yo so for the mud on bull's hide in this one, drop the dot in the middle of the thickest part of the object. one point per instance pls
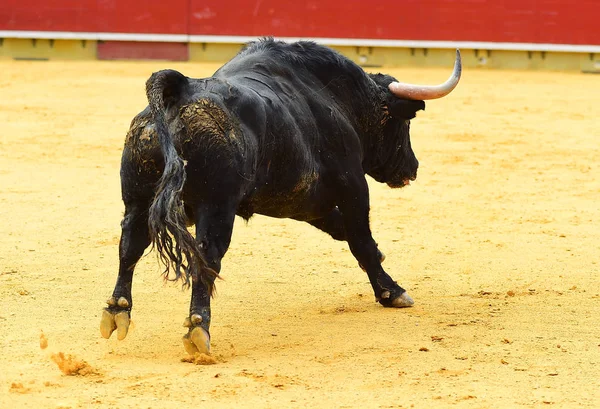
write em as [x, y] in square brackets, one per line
[205, 123]
[142, 143]
[200, 123]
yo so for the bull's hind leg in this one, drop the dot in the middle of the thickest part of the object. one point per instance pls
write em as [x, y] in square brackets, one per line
[214, 225]
[354, 206]
[134, 240]
[333, 224]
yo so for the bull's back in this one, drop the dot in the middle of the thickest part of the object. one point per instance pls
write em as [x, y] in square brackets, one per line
[292, 127]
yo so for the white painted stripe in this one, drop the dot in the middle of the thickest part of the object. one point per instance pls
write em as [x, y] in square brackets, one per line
[73, 35]
[351, 42]
[358, 42]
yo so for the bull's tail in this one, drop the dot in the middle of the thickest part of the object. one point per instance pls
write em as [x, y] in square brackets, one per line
[176, 247]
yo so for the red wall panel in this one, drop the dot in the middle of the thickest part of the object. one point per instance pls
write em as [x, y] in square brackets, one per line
[140, 50]
[529, 21]
[116, 16]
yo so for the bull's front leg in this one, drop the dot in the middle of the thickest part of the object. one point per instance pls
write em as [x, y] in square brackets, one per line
[333, 224]
[134, 240]
[214, 226]
[354, 206]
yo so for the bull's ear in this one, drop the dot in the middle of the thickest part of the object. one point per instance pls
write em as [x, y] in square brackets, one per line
[404, 108]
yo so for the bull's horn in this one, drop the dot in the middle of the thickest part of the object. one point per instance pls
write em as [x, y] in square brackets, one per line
[424, 92]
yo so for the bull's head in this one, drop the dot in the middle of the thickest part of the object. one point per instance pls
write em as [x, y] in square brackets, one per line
[394, 161]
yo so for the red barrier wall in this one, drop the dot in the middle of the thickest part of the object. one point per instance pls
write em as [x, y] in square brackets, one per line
[141, 50]
[527, 21]
[105, 16]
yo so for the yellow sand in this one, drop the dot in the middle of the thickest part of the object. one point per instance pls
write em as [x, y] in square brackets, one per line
[498, 240]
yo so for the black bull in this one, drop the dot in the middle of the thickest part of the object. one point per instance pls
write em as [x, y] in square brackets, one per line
[284, 130]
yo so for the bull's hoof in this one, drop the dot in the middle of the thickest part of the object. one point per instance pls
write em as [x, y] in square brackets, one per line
[402, 301]
[115, 318]
[197, 340]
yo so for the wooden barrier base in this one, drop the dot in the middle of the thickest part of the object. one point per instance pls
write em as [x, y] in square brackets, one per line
[45, 49]
[368, 57]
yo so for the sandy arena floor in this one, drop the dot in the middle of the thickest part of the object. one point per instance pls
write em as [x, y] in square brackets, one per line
[498, 242]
